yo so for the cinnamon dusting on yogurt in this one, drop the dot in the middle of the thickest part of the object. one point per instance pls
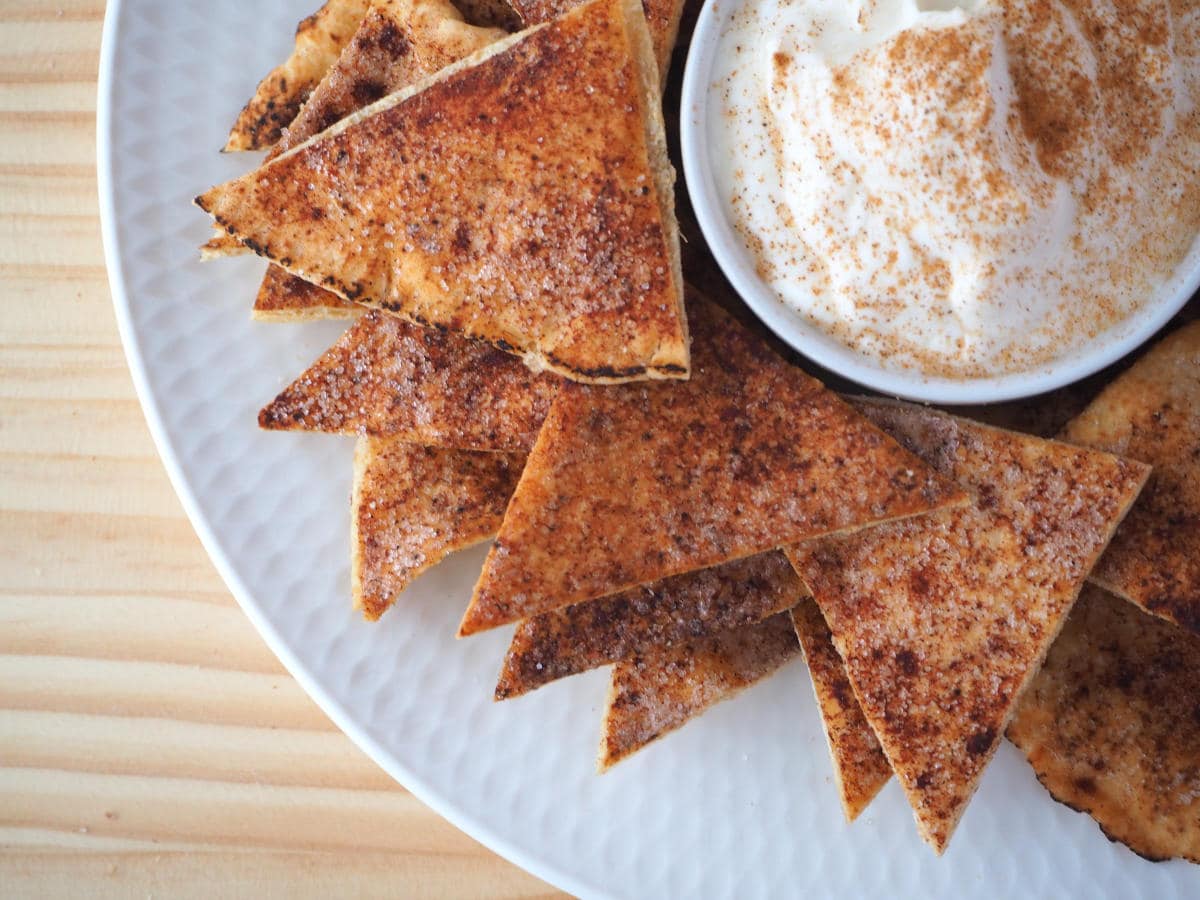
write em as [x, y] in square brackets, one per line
[964, 189]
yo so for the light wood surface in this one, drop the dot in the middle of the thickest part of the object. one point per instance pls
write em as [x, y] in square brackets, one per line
[150, 744]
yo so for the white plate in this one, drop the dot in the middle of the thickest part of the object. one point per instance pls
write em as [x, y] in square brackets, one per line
[739, 803]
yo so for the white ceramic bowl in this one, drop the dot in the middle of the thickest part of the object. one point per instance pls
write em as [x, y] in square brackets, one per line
[713, 214]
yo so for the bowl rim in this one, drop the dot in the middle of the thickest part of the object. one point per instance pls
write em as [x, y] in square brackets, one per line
[732, 257]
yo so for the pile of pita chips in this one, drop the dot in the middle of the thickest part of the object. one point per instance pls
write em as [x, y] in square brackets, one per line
[398, 43]
[319, 40]
[1111, 725]
[1152, 413]
[639, 525]
[643, 527]
[942, 620]
[632, 484]
[533, 212]
[282, 93]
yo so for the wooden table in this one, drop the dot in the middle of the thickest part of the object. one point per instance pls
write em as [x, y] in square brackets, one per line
[150, 744]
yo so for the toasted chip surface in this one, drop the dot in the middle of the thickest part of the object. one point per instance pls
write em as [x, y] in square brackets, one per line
[631, 484]
[581, 637]
[658, 690]
[1111, 725]
[1152, 413]
[220, 245]
[282, 297]
[413, 506]
[319, 39]
[524, 198]
[398, 43]
[662, 18]
[387, 377]
[942, 620]
[859, 767]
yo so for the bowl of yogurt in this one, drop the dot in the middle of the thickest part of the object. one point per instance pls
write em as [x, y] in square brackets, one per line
[954, 202]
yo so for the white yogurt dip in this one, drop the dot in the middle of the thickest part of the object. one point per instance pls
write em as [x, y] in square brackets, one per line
[967, 189]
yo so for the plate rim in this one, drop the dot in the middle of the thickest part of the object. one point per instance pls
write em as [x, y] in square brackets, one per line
[442, 805]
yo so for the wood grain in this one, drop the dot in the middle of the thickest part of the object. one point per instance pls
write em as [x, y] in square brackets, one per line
[150, 744]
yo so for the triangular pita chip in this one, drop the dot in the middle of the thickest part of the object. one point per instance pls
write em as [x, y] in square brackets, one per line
[413, 506]
[282, 297]
[662, 18]
[581, 637]
[389, 378]
[398, 43]
[658, 690]
[942, 620]
[220, 246]
[1152, 413]
[1111, 725]
[522, 196]
[630, 485]
[319, 40]
[859, 767]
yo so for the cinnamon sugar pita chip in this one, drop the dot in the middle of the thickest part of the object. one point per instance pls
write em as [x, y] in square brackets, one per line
[398, 43]
[943, 620]
[1152, 413]
[662, 18]
[660, 689]
[522, 196]
[859, 767]
[413, 506]
[631, 484]
[390, 378]
[569, 641]
[319, 39]
[282, 297]
[1111, 725]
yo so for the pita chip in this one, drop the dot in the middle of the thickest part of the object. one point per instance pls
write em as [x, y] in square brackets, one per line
[658, 690]
[398, 43]
[413, 506]
[662, 18]
[631, 484]
[942, 621]
[1152, 413]
[1111, 725]
[569, 641]
[860, 769]
[282, 297]
[522, 196]
[389, 378]
[220, 246]
[319, 40]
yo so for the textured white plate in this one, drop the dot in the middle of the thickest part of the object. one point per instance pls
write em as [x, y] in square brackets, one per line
[739, 803]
